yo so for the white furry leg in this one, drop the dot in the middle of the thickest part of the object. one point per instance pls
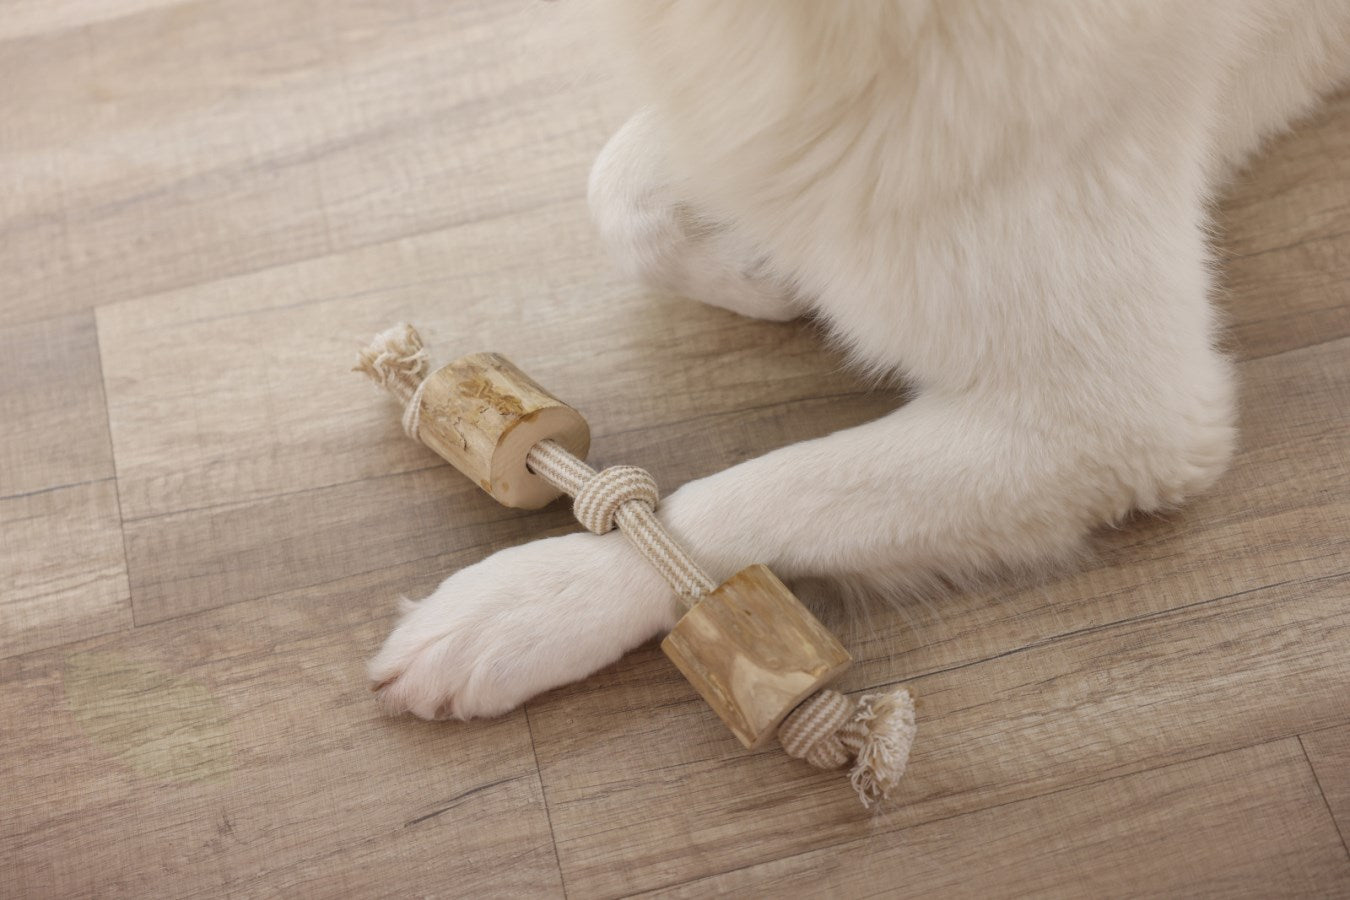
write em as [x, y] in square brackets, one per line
[660, 241]
[949, 485]
[518, 623]
[945, 485]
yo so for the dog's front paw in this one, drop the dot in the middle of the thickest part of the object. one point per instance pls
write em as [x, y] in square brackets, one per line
[520, 622]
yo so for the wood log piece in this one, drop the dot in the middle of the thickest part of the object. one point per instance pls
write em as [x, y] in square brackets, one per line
[483, 415]
[754, 652]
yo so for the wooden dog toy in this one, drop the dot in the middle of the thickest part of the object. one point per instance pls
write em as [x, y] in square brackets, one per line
[748, 646]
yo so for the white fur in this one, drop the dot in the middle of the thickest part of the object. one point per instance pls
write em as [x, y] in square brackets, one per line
[1006, 203]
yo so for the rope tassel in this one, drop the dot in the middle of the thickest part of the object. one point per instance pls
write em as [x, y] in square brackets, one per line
[829, 731]
[517, 441]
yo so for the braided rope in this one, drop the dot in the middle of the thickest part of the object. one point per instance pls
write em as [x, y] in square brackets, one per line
[626, 497]
[828, 730]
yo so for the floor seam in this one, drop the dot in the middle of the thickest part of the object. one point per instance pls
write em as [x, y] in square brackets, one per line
[543, 793]
[442, 464]
[1104, 626]
[1312, 768]
[112, 455]
[982, 809]
[37, 492]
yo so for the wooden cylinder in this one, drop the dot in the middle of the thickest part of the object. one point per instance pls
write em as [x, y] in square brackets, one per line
[483, 415]
[754, 652]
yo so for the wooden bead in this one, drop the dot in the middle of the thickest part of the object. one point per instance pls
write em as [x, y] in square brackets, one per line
[483, 415]
[754, 652]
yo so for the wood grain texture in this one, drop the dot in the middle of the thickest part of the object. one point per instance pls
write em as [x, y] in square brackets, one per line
[482, 414]
[62, 566]
[241, 755]
[259, 133]
[1154, 690]
[202, 402]
[219, 440]
[1329, 753]
[28, 18]
[1266, 539]
[62, 570]
[242, 191]
[754, 652]
[55, 429]
[203, 558]
[1200, 828]
[1285, 252]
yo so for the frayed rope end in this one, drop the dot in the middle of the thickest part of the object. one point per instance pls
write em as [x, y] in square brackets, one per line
[395, 360]
[888, 722]
[829, 731]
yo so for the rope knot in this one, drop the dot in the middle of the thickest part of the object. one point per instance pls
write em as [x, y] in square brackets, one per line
[811, 731]
[602, 496]
[828, 731]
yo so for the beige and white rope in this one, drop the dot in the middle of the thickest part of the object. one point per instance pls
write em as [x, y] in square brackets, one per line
[622, 496]
[626, 497]
[828, 730]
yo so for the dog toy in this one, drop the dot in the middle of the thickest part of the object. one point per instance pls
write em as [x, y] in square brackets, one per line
[748, 646]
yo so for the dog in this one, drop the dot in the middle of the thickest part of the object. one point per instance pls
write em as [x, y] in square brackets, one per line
[1006, 204]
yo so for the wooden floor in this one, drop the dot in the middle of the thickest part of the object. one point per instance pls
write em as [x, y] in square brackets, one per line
[205, 519]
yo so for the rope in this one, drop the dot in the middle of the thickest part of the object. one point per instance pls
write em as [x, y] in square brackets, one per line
[397, 362]
[828, 730]
[626, 497]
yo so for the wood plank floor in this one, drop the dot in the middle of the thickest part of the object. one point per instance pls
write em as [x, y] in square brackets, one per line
[205, 519]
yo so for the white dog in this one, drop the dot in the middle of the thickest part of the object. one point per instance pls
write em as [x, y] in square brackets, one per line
[1004, 202]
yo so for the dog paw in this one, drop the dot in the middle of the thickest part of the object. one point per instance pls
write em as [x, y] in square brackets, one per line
[518, 623]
